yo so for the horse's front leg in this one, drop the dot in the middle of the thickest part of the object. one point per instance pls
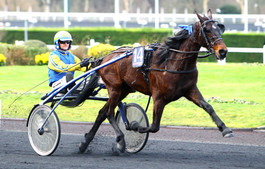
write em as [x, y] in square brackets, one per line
[159, 106]
[197, 98]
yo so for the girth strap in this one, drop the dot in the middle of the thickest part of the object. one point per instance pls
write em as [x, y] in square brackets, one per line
[173, 71]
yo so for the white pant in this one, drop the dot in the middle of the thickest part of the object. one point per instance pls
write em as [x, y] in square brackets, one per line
[59, 82]
[63, 81]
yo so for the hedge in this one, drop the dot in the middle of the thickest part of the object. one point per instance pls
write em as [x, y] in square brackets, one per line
[23, 54]
[118, 37]
[249, 40]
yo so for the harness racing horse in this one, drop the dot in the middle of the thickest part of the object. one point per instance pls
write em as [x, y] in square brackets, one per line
[172, 74]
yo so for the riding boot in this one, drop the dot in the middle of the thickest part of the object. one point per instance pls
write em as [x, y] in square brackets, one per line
[68, 78]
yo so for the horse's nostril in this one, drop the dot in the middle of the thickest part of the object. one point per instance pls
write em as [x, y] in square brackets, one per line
[222, 52]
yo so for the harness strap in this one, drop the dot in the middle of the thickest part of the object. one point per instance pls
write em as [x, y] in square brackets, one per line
[173, 71]
[209, 45]
[188, 52]
[212, 43]
[147, 59]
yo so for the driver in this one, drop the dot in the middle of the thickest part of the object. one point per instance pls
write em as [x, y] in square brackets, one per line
[62, 64]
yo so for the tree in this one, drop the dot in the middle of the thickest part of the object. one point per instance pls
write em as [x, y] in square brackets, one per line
[86, 6]
[229, 9]
[205, 6]
[242, 6]
[127, 5]
[46, 4]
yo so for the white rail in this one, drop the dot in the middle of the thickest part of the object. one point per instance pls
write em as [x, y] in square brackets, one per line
[140, 18]
[248, 50]
[243, 50]
[162, 16]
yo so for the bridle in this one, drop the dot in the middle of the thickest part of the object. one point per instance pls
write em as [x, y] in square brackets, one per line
[209, 42]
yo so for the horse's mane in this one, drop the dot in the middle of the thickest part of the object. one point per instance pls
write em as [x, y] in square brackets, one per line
[171, 42]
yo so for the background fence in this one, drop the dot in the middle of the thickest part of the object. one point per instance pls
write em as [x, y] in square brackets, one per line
[246, 50]
[250, 22]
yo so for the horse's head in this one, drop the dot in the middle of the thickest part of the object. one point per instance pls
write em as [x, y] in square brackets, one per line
[210, 35]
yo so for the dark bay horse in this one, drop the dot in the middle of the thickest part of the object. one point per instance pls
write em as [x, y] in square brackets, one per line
[172, 74]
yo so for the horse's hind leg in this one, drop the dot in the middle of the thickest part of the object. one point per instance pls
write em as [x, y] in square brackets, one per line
[197, 98]
[120, 146]
[107, 112]
[115, 97]
[89, 136]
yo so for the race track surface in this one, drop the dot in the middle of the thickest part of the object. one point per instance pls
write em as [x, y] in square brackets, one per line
[171, 147]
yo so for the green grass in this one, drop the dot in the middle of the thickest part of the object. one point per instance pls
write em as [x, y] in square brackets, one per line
[236, 92]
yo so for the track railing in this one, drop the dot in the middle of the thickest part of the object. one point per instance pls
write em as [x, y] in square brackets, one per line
[246, 50]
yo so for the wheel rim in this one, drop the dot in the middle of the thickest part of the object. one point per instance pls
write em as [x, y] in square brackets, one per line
[46, 143]
[134, 140]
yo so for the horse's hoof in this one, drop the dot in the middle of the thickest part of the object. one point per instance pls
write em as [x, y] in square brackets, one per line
[115, 150]
[121, 148]
[118, 148]
[82, 147]
[142, 129]
[227, 133]
[134, 125]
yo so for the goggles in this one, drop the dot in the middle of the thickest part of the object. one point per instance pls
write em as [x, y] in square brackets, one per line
[63, 42]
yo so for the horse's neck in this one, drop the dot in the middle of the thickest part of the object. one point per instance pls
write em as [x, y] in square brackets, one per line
[185, 61]
[190, 45]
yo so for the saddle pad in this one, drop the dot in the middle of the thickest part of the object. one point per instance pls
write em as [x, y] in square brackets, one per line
[138, 57]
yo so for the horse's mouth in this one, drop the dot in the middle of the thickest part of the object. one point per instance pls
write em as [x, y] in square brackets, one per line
[218, 57]
[221, 54]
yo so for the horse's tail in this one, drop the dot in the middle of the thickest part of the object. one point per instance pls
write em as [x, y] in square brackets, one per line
[88, 89]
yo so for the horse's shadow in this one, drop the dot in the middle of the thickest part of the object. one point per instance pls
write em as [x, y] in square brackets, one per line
[161, 154]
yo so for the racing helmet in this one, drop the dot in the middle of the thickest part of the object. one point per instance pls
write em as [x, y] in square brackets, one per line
[62, 36]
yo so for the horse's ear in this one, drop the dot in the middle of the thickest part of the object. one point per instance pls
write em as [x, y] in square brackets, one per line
[200, 17]
[209, 13]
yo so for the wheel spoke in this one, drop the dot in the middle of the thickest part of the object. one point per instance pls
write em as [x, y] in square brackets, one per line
[44, 144]
[134, 140]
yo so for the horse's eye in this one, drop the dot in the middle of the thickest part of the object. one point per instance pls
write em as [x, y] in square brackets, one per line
[205, 29]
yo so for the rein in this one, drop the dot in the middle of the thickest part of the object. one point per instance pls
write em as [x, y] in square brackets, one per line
[193, 52]
[182, 71]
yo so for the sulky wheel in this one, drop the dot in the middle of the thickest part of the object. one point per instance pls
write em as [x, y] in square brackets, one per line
[46, 141]
[134, 140]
